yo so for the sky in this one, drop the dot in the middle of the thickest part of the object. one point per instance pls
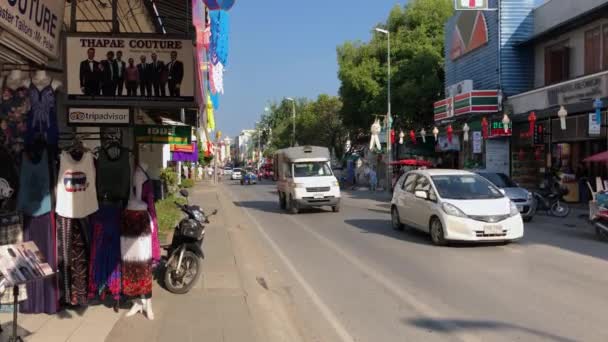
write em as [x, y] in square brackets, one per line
[284, 48]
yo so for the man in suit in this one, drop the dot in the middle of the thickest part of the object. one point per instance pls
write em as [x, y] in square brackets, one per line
[156, 70]
[90, 74]
[109, 69]
[121, 66]
[143, 68]
[175, 75]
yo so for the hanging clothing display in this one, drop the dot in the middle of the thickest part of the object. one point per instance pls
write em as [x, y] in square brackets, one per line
[42, 120]
[73, 260]
[11, 231]
[14, 112]
[147, 195]
[34, 187]
[9, 180]
[136, 251]
[104, 267]
[216, 72]
[76, 191]
[113, 176]
[42, 293]
[220, 24]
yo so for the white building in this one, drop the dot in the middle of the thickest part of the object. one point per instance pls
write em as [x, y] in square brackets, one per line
[244, 145]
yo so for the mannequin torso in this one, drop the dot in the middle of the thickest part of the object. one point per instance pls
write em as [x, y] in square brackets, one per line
[139, 177]
[41, 80]
[14, 80]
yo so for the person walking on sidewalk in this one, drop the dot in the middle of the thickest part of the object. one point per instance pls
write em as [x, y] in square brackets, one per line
[373, 179]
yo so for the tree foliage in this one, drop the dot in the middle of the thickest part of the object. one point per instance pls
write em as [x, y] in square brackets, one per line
[417, 74]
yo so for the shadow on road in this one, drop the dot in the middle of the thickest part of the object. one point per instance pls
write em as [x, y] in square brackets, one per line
[273, 207]
[447, 326]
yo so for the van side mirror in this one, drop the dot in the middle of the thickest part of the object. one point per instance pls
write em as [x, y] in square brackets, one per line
[421, 194]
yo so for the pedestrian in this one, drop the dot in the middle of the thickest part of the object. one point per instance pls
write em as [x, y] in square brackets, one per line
[373, 179]
[200, 172]
[209, 172]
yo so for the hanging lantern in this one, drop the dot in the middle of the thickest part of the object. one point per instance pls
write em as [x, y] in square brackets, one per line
[465, 132]
[532, 121]
[562, 117]
[598, 104]
[392, 136]
[219, 4]
[505, 122]
[435, 132]
[522, 154]
[423, 135]
[538, 154]
[413, 136]
[450, 131]
[401, 135]
[484, 128]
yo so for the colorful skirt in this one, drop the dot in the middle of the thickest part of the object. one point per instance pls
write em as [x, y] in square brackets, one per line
[73, 263]
[104, 268]
[136, 251]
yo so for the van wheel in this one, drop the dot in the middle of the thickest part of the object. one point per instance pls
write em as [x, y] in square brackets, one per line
[336, 208]
[282, 202]
[293, 207]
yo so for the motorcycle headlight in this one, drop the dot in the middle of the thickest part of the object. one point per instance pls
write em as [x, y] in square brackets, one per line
[514, 209]
[199, 216]
[452, 210]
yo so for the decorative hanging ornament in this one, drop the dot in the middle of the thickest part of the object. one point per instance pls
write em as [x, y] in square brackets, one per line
[219, 4]
[450, 131]
[413, 136]
[401, 135]
[435, 132]
[423, 135]
[484, 128]
[598, 104]
[505, 122]
[538, 154]
[532, 121]
[465, 132]
[522, 154]
[562, 117]
[392, 136]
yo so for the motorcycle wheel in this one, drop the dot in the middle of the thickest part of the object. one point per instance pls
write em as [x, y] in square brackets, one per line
[559, 209]
[602, 235]
[181, 281]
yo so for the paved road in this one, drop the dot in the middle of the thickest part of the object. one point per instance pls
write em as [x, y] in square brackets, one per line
[353, 278]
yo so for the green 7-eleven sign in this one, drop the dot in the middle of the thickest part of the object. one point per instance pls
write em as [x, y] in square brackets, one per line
[463, 5]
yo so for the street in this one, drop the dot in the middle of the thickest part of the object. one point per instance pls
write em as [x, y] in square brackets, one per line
[352, 278]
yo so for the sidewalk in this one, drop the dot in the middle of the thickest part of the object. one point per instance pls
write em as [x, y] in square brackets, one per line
[216, 309]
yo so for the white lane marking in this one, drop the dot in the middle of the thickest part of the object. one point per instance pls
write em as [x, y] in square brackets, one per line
[325, 310]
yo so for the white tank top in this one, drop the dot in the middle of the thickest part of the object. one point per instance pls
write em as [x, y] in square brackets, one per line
[76, 189]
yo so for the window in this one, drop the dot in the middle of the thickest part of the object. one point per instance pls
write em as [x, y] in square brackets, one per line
[605, 46]
[408, 185]
[311, 169]
[593, 51]
[465, 187]
[557, 63]
[423, 184]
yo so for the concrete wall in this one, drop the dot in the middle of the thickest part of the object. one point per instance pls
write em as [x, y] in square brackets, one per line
[555, 12]
[575, 41]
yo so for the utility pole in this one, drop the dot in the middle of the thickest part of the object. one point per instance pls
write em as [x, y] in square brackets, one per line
[388, 115]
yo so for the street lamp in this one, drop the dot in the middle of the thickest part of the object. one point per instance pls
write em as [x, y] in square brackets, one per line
[293, 117]
[388, 115]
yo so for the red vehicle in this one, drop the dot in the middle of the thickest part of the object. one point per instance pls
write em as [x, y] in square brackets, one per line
[267, 171]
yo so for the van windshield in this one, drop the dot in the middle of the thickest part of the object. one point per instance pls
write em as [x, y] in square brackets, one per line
[311, 169]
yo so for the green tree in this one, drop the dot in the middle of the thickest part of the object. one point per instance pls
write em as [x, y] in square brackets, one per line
[417, 74]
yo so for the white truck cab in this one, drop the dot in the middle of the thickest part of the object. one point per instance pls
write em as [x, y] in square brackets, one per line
[305, 179]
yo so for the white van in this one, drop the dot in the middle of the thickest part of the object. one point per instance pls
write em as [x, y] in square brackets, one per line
[305, 179]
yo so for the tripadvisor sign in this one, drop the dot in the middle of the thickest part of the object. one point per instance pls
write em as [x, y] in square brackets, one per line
[154, 134]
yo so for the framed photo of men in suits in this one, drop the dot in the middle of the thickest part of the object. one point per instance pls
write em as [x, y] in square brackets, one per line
[129, 70]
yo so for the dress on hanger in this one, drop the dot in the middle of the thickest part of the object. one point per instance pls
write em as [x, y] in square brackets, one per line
[104, 266]
[34, 187]
[147, 195]
[113, 176]
[76, 191]
[43, 114]
[135, 245]
[14, 109]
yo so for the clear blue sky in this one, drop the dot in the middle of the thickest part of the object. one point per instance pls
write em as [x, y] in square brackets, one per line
[284, 48]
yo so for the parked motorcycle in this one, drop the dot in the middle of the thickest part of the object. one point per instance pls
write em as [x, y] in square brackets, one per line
[552, 202]
[598, 217]
[185, 251]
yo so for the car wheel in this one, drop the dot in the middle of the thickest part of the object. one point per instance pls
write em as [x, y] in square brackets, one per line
[395, 220]
[293, 207]
[437, 233]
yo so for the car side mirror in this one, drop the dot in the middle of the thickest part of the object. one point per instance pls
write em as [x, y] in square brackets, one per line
[502, 191]
[421, 194]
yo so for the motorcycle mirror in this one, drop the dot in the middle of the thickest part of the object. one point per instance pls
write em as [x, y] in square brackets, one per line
[184, 192]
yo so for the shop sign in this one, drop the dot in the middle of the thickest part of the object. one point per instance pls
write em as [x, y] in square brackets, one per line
[37, 22]
[497, 129]
[444, 145]
[99, 116]
[477, 139]
[93, 74]
[477, 101]
[572, 92]
[463, 5]
[155, 134]
[595, 128]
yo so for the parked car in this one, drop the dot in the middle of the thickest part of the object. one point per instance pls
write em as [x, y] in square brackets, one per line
[228, 171]
[523, 199]
[454, 205]
[236, 174]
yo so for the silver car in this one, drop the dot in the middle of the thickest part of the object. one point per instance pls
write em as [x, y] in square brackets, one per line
[523, 199]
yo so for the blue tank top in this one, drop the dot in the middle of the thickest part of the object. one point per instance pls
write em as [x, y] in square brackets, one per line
[34, 187]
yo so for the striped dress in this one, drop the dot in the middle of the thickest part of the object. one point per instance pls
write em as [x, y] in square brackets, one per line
[136, 252]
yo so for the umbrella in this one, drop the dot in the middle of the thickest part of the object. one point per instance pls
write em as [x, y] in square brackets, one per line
[412, 162]
[600, 157]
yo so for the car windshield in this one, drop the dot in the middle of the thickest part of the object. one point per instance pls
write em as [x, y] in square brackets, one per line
[465, 187]
[499, 179]
[237, 170]
[311, 169]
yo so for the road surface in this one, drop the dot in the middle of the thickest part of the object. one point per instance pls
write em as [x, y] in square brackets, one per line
[352, 278]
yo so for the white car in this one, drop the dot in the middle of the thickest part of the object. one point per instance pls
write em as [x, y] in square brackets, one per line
[228, 171]
[236, 174]
[454, 205]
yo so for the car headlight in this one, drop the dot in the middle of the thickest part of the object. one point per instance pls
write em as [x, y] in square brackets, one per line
[514, 209]
[452, 210]
[335, 183]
